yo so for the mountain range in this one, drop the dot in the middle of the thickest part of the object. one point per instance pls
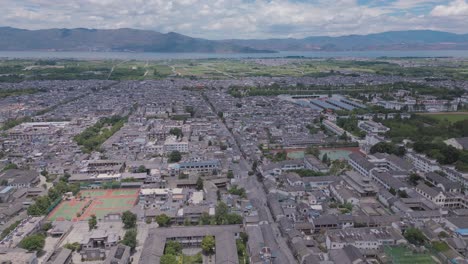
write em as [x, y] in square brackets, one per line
[125, 39]
[133, 40]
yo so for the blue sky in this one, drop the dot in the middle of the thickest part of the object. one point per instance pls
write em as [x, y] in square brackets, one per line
[224, 19]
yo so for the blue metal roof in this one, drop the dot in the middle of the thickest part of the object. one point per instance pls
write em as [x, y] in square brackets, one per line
[356, 104]
[324, 105]
[6, 189]
[306, 104]
[462, 231]
[340, 104]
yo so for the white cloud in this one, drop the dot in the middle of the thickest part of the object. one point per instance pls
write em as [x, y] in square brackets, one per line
[218, 19]
[455, 8]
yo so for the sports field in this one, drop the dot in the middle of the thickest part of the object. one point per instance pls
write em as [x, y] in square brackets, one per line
[97, 202]
[338, 153]
[402, 255]
[449, 116]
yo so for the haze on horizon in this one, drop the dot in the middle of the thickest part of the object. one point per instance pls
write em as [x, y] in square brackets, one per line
[240, 19]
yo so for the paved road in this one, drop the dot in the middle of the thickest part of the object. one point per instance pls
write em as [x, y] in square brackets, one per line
[257, 196]
[270, 231]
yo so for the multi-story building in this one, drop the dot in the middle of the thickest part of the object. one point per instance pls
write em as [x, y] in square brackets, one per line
[172, 144]
[363, 238]
[333, 127]
[422, 163]
[207, 166]
[360, 164]
[372, 127]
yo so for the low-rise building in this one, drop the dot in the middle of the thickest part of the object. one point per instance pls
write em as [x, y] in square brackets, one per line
[372, 127]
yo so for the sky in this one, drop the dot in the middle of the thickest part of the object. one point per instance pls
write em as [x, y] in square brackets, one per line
[240, 19]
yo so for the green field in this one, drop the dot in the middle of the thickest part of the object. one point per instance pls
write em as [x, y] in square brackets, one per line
[451, 117]
[101, 203]
[335, 154]
[67, 210]
[67, 69]
[92, 193]
[401, 255]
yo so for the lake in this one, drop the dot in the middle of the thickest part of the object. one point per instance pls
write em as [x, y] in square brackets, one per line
[175, 56]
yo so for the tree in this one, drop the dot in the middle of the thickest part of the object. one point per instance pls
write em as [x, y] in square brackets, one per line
[237, 191]
[176, 132]
[392, 191]
[46, 226]
[325, 158]
[92, 222]
[10, 166]
[443, 234]
[163, 220]
[175, 156]
[389, 148]
[230, 175]
[221, 212]
[414, 179]
[414, 236]
[244, 236]
[4, 182]
[344, 136]
[141, 169]
[168, 259]
[130, 238]
[402, 194]
[173, 248]
[129, 219]
[312, 151]
[208, 245]
[254, 165]
[233, 219]
[199, 184]
[205, 219]
[33, 243]
[73, 246]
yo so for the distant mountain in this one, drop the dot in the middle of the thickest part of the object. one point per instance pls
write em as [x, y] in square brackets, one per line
[133, 40]
[80, 39]
[393, 40]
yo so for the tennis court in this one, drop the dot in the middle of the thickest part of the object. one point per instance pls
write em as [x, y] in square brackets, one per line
[92, 193]
[402, 255]
[95, 202]
[67, 210]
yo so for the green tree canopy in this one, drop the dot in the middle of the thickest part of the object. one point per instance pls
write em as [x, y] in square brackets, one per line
[175, 156]
[141, 169]
[208, 245]
[129, 219]
[169, 259]
[414, 236]
[173, 248]
[92, 222]
[199, 184]
[33, 243]
[221, 212]
[163, 220]
[176, 132]
[130, 238]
